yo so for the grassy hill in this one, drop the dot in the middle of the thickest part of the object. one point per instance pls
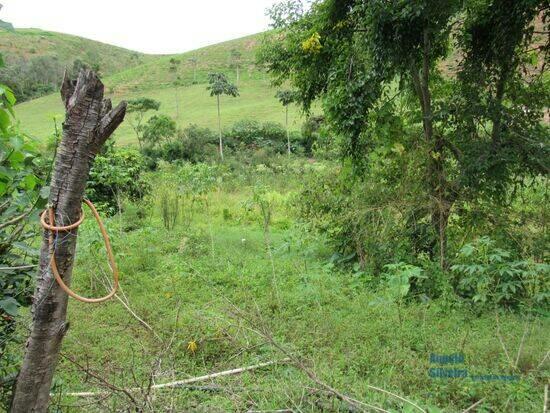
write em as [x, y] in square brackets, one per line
[175, 78]
[29, 43]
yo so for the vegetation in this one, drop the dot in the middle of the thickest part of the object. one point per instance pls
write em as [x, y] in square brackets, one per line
[21, 192]
[219, 85]
[377, 68]
[140, 107]
[155, 79]
[388, 254]
[35, 59]
[286, 97]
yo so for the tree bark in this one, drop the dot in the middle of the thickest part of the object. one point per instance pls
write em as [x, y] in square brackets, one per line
[438, 185]
[89, 121]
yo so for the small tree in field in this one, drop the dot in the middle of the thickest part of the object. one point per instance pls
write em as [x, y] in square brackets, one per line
[220, 85]
[174, 63]
[158, 129]
[194, 61]
[286, 97]
[236, 62]
[140, 106]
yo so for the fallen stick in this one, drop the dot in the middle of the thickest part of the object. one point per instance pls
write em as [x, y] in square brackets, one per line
[473, 406]
[187, 381]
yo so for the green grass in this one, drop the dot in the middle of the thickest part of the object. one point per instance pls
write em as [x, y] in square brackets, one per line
[196, 282]
[155, 79]
[28, 43]
[256, 101]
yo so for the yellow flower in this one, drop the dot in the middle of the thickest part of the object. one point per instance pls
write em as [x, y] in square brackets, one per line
[313, 44]
[192, 346]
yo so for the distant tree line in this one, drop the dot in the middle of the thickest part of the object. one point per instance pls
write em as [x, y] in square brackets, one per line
[37, 76]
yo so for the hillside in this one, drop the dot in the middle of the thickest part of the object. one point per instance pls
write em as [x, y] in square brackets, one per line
[176, 78]
[29, 43]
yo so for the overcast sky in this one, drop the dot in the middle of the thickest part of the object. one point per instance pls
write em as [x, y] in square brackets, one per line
[160, 26]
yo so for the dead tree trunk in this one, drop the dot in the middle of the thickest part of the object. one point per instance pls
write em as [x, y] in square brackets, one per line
[89, 121]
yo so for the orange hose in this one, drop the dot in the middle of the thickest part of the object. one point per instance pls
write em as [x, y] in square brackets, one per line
[52, 228]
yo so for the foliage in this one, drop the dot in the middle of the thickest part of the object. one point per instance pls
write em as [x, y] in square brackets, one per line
[286, 97]
[115, 174]
[169, 207]
[489, 276]
[196, 144]
[311, 132]
[398, 279]
[220, 85]
[21, 193]
[368, 61]
[140, 107]
[252, 134]
[193, 144]
[33, 77]
[158, 129]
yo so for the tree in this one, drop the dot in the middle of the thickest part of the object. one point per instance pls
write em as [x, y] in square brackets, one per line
[480, 124]
[194, 61]
[89, 122]
[219, 85]
[158, 129]
[236, 62]
[286, 97]
[174, 63]
[140, 106]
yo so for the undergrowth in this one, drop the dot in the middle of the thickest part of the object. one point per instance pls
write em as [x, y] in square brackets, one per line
[203, 287]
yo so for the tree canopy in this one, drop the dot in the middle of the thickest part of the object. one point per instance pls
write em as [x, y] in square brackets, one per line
[460, 83]
[220, 85]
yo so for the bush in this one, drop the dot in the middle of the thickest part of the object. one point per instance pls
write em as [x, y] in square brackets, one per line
[116, 173]
[158, 130]
[356, 216]
[249, 134]
[311, 130]
[193, 144]
[254, 140]
[489, 276]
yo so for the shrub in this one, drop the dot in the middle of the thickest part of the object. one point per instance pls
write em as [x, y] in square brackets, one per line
[310, 132]
[193, 144]
[116, 173]
[360, 224]
[21, 194]
[158, 130]
[490, 276]
[253, 135]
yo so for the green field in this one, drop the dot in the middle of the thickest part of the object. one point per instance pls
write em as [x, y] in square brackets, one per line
[211, 280]
[154, 79]
[256, 102]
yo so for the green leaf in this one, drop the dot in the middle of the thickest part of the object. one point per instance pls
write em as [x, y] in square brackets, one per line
[4, 120]
[28, 250]
[29, 182]
[45, 192]
[10, 306]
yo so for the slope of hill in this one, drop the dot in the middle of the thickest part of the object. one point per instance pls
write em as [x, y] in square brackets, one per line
[180, 85]
[29, 43]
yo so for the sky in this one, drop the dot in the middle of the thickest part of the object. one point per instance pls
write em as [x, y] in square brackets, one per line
[160, 26]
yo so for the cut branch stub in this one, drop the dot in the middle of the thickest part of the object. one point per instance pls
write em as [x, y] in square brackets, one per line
[89, 121]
